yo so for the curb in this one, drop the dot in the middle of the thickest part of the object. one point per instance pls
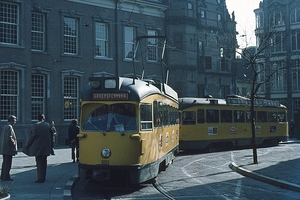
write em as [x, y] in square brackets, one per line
[69, 186]
[272, 181]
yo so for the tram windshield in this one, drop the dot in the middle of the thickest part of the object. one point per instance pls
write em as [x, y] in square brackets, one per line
[116, 117]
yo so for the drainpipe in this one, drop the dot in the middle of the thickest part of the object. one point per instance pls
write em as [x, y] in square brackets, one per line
[116, 38]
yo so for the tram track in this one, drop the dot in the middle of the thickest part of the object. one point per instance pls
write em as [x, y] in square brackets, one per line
[161, 190]
[94, 190]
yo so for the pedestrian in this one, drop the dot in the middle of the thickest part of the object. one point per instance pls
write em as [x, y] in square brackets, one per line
[53, 133]
[73, 130]
[8, 148]
[292, 129]
[39, 145]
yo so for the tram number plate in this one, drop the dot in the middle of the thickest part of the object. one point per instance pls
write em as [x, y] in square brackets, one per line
[106, 162]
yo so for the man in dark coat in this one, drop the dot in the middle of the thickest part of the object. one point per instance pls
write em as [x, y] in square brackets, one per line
[73, 130]
[39, 145]
[8, 147]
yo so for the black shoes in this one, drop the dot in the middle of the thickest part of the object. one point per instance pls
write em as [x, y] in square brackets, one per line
[40, 181]
[7, 179]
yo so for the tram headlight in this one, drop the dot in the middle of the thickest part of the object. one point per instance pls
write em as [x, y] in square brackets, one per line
[94, 82]
[106, 153]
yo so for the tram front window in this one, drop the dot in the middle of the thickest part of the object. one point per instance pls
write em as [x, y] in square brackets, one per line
[116, 117]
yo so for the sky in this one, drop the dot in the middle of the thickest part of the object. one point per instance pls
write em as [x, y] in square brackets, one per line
[245, 18]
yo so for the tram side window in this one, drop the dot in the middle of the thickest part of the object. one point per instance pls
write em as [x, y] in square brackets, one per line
[248, 116]
[262, 116]
[226, 116]
[200, 116]
[239, 116]
[146, 116]
[188, 117]
[156, 114]
[212, 116]
[272, 116]
[166, 115]
[173, 115]
[281, 117]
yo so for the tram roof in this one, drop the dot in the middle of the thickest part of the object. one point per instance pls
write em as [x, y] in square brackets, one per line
[186, 102]
[233, 100]
[135, 88]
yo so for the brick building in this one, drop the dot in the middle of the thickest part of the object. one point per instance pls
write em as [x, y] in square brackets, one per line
[203, 39]
[282, 19]
[50, 48]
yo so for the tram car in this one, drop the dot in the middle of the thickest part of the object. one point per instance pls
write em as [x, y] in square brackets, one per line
[210, 124]
[129, 129]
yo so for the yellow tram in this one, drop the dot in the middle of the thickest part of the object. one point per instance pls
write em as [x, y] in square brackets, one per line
[129, 129]
[208, 123]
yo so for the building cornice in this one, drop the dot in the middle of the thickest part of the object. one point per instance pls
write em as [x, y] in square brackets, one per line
[134, 6]
[278, 1]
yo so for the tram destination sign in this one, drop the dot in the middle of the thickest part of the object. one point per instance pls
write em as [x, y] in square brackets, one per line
[109, 96]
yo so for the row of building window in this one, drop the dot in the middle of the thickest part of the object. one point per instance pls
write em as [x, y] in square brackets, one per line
[278, 41]
[10, 31]
[277, 18]
[11, 100]
[278, 81]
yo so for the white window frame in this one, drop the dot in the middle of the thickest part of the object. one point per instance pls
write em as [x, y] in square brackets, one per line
[38, 32]
[101, 39]
[10, 22]
[70, 31]
[295, 15]
[38, 95]
[276, 18]
[219, 17]
[279, 78]
[295, 68]
[202, 14]
[129, 36]
[71, 97]
[296, 78]
[261, 77]
[152, 46]
[10, 86]
[259, 19]
[295, 40]
[277, 42]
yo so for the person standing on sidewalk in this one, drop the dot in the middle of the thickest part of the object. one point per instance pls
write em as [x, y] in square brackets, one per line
[53, 134]
[73, 130]
[39, 145]
[8, 147]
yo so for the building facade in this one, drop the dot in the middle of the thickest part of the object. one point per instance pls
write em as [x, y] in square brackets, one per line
[50, 48]
[203, 40]
[278, 22]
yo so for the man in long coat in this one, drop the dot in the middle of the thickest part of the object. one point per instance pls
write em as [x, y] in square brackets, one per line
[73, 131]
[39, 145]
[8, 147]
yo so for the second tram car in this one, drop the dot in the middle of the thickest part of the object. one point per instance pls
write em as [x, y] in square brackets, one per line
[129, 129]
[208, 123]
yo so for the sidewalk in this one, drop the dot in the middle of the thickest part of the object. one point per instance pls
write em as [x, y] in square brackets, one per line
[277, 168]
[60, 172]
